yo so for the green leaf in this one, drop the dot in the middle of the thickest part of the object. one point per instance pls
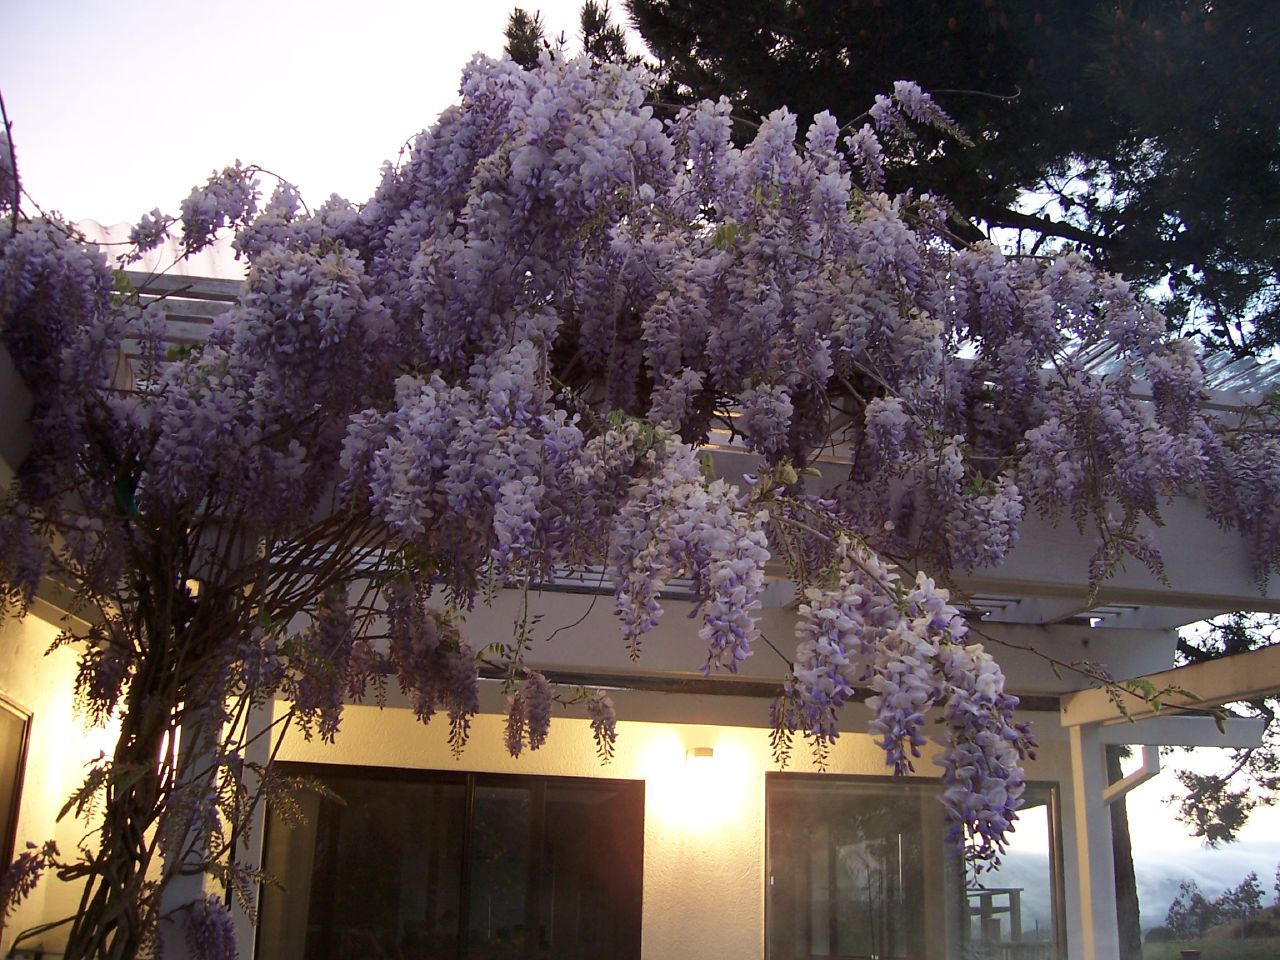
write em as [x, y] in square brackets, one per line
[726, 235]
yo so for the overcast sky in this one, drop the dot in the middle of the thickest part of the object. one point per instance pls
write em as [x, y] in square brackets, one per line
[121, 107]
[118, 108]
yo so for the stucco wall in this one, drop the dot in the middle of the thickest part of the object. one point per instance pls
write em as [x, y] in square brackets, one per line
[60, 745]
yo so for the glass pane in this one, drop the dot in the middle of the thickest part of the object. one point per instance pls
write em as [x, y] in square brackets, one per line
[1013, 914]
[382, 870]
[464, 867]
[588, 886]
[858, 869]
[289, 857]
[13, 741]
[499, 873]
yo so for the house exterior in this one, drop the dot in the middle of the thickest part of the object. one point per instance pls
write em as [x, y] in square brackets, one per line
[693, 841]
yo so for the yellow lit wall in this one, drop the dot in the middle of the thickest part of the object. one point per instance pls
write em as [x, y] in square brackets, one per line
[59, 747]
[704, 868]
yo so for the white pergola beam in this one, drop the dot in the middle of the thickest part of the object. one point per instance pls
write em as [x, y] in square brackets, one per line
[1205, 566]
[1037, 610]
[1243, 676]
[1150, 768]
[1160, 618]
[1225, 595]
[1186, 730]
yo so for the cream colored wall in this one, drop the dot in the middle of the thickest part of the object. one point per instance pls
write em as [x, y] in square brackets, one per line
[704, 836]
[59, 747]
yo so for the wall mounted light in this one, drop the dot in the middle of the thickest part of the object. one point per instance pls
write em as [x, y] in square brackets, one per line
[699, 757]
[701, 789]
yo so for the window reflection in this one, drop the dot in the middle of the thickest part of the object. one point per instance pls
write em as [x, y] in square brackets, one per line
[858, 868]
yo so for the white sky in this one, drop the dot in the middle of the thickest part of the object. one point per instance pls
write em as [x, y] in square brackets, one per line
[1150, 816]
[121, 107]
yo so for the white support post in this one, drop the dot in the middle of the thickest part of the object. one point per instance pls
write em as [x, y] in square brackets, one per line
[1099, 930]
[195, 748]
[199, 744]
[258, 751]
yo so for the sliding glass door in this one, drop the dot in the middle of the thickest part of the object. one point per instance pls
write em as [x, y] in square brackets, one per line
[858, 869]
[433, 865]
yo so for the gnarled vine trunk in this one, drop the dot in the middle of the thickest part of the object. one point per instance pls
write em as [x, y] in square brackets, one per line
[116, 915]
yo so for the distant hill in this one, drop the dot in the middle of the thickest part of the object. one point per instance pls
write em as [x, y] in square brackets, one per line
[1213, 870]
[1265, 923]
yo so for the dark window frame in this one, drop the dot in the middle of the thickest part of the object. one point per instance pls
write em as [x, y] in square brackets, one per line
[471, 781]
[1052, 788]
[9, 834]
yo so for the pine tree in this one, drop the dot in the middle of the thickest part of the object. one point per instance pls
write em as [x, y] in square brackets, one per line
[1190, 914]
[1218, 804]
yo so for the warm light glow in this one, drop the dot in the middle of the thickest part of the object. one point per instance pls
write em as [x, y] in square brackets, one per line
[703, 789]
[706, 792]
[61, 724]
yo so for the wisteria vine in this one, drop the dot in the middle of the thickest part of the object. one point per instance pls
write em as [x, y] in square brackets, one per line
[505, 363]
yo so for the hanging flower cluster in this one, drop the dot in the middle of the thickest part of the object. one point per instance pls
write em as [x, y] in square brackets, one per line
[211, 930]
[21, 876]
[436, 668]
[678, 524]
[529, 714]
[906, 645]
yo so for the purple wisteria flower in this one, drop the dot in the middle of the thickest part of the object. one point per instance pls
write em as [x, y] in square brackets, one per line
[529, 714]
[537, 695]
[604, 724]
[676, 524]
[908, 647]
[516, 723]
[435, 667]
[503, 365]
[211, 930]
[228, 198]
[149, 232]
[21, 876]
